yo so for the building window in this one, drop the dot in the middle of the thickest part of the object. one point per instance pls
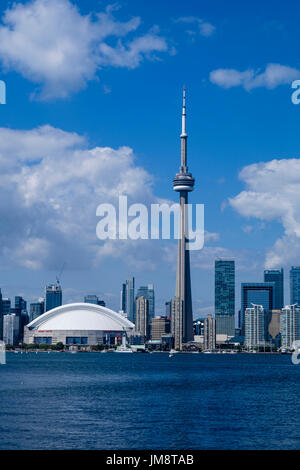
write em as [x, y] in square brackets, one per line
[43, 340]
[73, 340]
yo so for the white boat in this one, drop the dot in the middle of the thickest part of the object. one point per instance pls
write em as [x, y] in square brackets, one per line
[124, 348]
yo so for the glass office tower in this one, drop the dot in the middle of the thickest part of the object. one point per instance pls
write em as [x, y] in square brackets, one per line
[225, 296]
[53, 296]
[276, 276]
[295, 285]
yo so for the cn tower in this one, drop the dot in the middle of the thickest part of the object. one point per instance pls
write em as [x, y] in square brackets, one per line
[182, 312]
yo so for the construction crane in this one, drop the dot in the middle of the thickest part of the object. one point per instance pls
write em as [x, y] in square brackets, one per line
[60, 273]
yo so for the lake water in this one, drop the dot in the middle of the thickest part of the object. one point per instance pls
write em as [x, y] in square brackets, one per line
[149, 401]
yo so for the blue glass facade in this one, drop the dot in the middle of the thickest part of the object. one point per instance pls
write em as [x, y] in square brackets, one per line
[36, 309]
[148, 293]
[224, 287]
[276, 276]
[53, 297]
[295, 285]
[258, 293]
[225, 296]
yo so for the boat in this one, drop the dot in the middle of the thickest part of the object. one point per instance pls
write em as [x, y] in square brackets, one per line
[124, 348]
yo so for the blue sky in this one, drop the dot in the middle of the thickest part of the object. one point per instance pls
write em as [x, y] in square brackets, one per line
[80, 87]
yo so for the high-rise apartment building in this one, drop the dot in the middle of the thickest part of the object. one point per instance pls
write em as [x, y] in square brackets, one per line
[255, 333]
[290, 326]
[148, 293]
[276, 276]
[160, 327]
[142, 316]
[209, 333]
[11, 329]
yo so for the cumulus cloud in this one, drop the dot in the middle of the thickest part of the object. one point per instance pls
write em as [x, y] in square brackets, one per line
[204, 28]
[51, 184]
[53, 45]
[272, 194]
[273, 76]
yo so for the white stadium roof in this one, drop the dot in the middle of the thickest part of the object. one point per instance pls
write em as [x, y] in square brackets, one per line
[81, 316]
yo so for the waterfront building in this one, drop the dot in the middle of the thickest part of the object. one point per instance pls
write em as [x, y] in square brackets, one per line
[148, 293]
[255, 326]
[160, 327]
[182, 303]
[53, 296]
[123, 298]
[225, 296]
[209, 333]
[272, 318]
[295, 285]
[36, 309]
[142, 316]
[6, 306]
[78, 324]
[276, 276]
[93, 299]
[290, 326]
[176, 322]
[168, 307]
[258, 293]
[127, 303]
[11, 329]
[198, 327]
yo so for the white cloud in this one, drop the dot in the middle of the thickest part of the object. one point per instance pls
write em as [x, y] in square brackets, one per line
[273, 76]
[53, 45]
[272, 194]
[204, 28]
[133, 53]
[51, 184]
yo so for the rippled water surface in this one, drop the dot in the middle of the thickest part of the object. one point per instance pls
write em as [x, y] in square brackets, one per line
[149, 401]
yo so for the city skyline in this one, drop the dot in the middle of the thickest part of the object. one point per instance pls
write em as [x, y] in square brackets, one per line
[237, 153]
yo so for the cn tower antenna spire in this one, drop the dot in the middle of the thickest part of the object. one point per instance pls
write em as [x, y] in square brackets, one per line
[182, 312]
[183, 128]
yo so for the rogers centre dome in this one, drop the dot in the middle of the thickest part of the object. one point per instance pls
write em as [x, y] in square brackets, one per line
[78, 324]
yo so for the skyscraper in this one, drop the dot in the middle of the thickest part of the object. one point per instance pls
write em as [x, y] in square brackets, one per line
[225, 296]
[182, 303]
[142, 316]
[209, 333]
[258, 293]
[36, 309]
[160, 326]
[295, 285]
[123, 298]
[255, 326]
[93, 299]
[11, 329]
[148, 293]
[53, 296]
[276, 276]
[290, 325]
[127, 301]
